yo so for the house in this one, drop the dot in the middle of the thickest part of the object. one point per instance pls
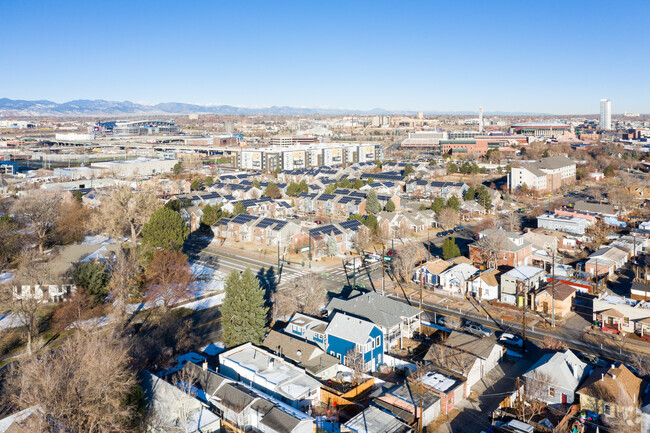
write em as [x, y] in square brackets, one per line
[602, 210]
[455, 278]
[374, 420]
[26, 420]
[450, 388]
[496, 247]
[606, 261]
[429, 272]
[529, 277]
[556, 377]
[484, 285]
[613, 392]
[568, 224]
[192, 217]
[559, 294]
[349, 337]
[395, 319]
[305, 354]
[479, 355]
[258, 368]
[471, 209]
[408, 400]
[617, 314]
[170, 408]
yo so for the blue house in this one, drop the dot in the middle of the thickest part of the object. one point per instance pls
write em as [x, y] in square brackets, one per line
[346, 334]
[431, 270]
[307, 328]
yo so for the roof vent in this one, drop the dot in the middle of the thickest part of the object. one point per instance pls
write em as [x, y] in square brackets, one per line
[299, 353]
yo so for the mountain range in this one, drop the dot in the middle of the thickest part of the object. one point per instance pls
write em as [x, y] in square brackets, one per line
[87, 107]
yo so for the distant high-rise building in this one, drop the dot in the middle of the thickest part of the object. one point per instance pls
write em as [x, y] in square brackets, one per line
[605, 114]
[420, 115]
[480, 119]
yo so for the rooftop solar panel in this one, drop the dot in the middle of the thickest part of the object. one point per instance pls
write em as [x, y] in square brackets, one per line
[352, 224]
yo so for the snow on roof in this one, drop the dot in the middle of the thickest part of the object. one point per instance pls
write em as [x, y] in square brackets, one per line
[438, 381]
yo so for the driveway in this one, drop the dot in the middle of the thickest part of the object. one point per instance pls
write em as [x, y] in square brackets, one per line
[474, 414]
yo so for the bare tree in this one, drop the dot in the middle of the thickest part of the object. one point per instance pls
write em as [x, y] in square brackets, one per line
[453, 322]
[126, 212]
[29, 292]
[355, 361]
[80, 386]
[125, 281]
[448, 218]
[488, 248]
[450, 358]
[39, 211]
[552, 343]
[405, 261]
[169, 279]
[72, 223]
[510, 221]
[308, 296]
[534, 394]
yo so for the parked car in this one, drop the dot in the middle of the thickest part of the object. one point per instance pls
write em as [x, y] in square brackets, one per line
[477, 329]
[592, 359]
[372, 258]
[511, 340]
[459, 229]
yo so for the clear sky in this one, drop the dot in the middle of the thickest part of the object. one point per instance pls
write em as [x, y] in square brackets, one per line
[453, 55]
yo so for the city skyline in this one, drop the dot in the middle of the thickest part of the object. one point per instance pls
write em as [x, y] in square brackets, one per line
[407, 57]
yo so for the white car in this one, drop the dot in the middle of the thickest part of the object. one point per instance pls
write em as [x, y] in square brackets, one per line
[512, 340]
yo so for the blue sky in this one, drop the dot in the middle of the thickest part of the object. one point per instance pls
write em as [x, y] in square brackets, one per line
[551, 56]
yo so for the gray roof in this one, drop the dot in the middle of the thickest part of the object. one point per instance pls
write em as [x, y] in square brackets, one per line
[477, 346]
[308, 356]
[207, 380]
[280, 421]
[562, 368]
[606, 209]
[374, 420]
[235, 396]
[555, 162]
[378, 309]
[350, 328]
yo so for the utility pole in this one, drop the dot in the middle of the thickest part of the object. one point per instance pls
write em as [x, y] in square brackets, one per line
[645, 277]
[421, 284]
[553, 293]
[383, 268]
[429, 244]
[519, 400]
[520, 285]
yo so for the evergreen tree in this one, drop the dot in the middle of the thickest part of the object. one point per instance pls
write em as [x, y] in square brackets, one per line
[470, 194]
[256, 184]
[357, 184]
[390, 206]
[372, 203]
[239, 208]
[484, 198]
[243, 313]
[330, 188]
[408, 169]
[293, 189]
[93, 277]
[369, 181]
[452, 168]
[195, 185]
[609, 171]
[371, 222]
[78, 195]
[450, 249]
[332, 246]
[453, 202]
[437, 205]
[303, 186]
[165, 229]
[211, 214]
[423, 207]
[345, 183]
[177, 168]
[209, 180]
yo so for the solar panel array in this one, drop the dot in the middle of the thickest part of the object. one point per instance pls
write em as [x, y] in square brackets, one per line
[243, 218]
[325, 230]
[383, 176]
[342, 191]
[350, 225]
[326, 197]
[358, 194]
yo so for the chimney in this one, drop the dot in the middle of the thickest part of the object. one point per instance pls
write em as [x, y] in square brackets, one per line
[602, 377]
[205, 365]
[271, 363]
